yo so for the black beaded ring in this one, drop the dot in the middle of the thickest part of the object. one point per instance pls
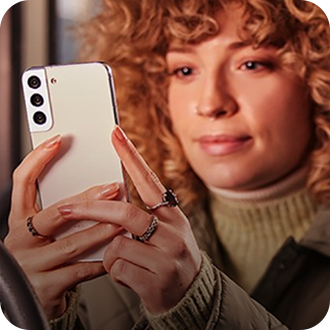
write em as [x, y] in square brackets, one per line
[31, 228]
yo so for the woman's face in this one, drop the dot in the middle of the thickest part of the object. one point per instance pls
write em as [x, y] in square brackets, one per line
[243, 120]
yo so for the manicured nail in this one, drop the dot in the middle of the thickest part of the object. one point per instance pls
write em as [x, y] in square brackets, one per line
[120, 134]
[52, 142]
[65, 209]
[108, 190]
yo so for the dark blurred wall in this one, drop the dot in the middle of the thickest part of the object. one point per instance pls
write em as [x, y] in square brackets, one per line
[10, 60]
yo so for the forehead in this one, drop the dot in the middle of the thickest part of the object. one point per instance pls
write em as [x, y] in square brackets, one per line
[230, 22]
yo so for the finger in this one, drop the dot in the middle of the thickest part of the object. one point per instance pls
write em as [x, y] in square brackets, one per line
[72, 247]
[147, 270]
[76, 273]
[145, 255]
[65, 278]
[25, 176]
[154, 257]
[126, 215]
[145, 180]
[152, 288]
[62, 280]
[124, 271]
[49, 221]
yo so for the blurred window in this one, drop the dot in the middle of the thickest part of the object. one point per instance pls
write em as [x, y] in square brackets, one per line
[68, 14]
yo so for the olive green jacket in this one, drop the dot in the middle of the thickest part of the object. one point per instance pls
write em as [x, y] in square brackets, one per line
[295, 288]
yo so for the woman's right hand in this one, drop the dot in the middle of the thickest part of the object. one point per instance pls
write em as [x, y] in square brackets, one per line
[47, 263]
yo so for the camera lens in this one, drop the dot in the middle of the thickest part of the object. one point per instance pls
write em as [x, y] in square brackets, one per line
[37, 100]
[39, 118]
[34, 82]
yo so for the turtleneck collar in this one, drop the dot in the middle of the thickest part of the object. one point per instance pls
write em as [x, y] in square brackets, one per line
[290, 184]
[252, 226]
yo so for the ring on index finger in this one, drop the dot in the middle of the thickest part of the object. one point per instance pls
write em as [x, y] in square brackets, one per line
[169, 199]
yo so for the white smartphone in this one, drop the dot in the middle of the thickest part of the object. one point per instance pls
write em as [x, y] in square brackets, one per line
[78, 102]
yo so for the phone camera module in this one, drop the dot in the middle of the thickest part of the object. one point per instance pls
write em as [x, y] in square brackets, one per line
[39, 118]
[37, 100]
[34, 82]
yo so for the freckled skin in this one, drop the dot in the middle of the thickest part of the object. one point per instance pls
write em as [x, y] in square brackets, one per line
[265, 114]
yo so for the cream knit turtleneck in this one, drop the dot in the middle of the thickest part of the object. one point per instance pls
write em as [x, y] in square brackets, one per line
[252, 226]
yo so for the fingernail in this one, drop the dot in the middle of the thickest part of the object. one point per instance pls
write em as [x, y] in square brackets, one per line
[52, 142]
[120, 134]
[65, 209]
[108, 190]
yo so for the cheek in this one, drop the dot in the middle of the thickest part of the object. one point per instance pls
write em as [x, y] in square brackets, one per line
[284, 105]
[172, 102]
[180, 110]
[292, 116]
[287, 123]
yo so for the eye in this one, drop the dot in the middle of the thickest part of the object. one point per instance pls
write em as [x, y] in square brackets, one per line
[183, 72]
[252, 65]
[256, 65]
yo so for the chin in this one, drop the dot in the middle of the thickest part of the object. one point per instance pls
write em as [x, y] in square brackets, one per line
[227, 184]
[232, 182]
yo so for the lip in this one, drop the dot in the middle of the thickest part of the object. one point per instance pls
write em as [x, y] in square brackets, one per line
[222, 145]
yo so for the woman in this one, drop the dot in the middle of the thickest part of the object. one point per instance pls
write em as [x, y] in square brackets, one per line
[234, 97]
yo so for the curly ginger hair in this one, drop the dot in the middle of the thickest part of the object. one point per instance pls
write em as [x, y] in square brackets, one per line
[133, 37]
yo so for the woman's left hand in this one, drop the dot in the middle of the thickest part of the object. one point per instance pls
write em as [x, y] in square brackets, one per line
[162, 269]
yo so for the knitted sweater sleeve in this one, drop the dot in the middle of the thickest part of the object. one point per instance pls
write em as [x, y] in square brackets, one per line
[213, 302]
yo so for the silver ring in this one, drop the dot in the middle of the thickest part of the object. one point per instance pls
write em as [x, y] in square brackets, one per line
[32, 230]
[149, 231]
[169, 199]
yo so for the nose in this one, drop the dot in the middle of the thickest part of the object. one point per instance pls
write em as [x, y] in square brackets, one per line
[216, 99]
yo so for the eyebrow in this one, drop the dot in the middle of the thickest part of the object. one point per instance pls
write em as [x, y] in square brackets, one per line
[189, 49]
[239, 44]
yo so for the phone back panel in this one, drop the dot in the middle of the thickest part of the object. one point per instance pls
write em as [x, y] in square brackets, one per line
[83, 111]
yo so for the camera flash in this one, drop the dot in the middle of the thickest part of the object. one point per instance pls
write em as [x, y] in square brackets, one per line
[53, 81]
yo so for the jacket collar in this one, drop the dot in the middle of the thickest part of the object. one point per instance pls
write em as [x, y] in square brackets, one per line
[318, 236]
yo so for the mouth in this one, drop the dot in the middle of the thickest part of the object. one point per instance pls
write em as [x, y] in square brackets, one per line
[222, 145]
